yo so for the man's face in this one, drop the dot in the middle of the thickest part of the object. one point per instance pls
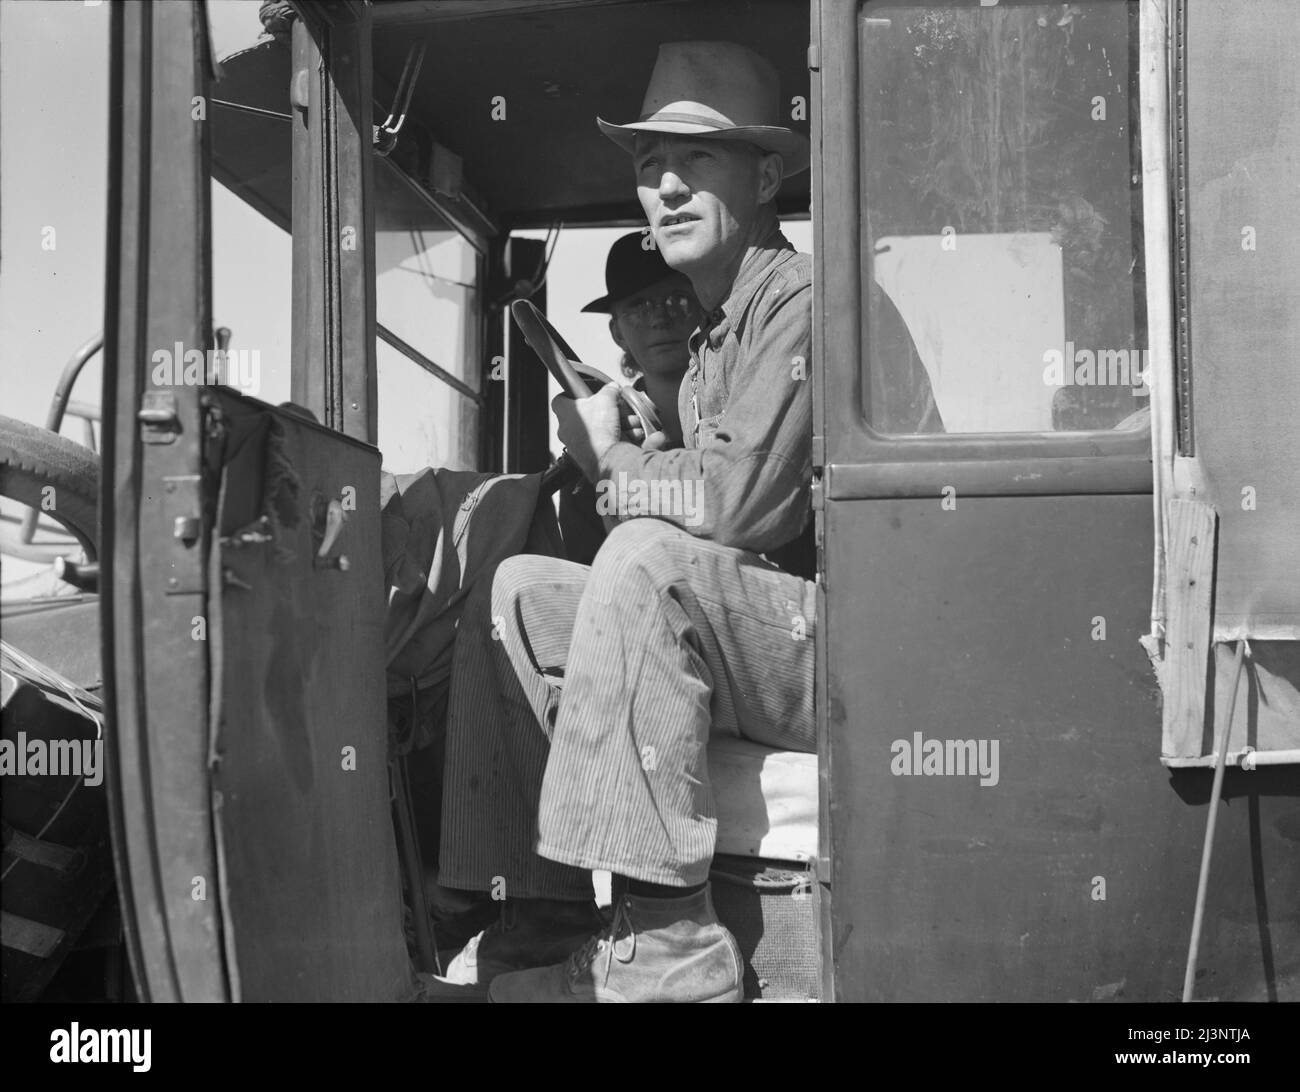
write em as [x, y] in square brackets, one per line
[701, 197]
[653, 325]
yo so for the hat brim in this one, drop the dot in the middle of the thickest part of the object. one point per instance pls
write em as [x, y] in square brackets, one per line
[792, 147]
[605, 304]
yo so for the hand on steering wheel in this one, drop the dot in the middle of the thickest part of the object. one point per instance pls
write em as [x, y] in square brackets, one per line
[640, 422]
[574, 377]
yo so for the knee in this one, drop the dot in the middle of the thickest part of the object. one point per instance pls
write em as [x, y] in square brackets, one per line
[524, 580]
[636, 550]
[508, 584]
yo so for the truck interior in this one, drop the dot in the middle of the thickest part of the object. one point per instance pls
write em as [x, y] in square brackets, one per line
[982, 188]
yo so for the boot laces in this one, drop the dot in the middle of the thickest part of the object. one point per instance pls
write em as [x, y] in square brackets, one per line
[603, 943]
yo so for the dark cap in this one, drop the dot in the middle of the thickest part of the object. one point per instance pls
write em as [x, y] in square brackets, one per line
[629, 268]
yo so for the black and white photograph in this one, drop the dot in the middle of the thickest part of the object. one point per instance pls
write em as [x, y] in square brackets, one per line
[652, 501]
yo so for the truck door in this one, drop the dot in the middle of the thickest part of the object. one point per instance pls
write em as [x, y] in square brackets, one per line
[243, 584]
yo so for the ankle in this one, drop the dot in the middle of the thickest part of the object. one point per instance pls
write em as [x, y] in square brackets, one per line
[548, 910]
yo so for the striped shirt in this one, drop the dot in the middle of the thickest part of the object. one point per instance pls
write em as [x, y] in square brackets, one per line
[746, 412]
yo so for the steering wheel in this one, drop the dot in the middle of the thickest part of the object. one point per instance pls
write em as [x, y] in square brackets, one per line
[575, 378]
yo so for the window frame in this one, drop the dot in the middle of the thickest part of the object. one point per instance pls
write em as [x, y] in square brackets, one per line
[859, 461]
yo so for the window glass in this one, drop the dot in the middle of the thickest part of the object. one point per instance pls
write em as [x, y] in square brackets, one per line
[422, 421]
[252, 255]
[252, 297]
[1002, 218]
[427, 294]
[53, 213]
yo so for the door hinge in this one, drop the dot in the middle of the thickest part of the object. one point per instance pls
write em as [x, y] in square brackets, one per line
[814, 58]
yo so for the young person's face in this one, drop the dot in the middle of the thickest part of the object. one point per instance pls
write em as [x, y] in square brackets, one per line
[702, 197]
[654, 325]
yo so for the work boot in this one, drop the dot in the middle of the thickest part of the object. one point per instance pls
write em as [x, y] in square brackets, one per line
[529, 933]
[655, 950]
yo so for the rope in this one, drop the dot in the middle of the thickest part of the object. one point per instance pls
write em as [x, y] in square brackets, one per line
[277, 18]
[48, 679]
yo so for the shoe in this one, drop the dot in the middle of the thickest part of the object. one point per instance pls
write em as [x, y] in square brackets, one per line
[655, 950]
[458, 915]
[529, 933]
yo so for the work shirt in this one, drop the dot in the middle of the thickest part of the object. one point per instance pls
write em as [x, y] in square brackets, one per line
[744, 477]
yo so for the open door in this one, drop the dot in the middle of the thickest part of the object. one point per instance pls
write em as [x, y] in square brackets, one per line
[243, 650]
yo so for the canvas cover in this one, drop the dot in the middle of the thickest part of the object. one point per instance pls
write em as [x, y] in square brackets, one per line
[1226, 395]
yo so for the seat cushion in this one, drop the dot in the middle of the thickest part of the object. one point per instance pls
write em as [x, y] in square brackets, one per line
[766, 800]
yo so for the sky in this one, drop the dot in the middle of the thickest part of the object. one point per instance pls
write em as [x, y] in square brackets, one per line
[53, 168]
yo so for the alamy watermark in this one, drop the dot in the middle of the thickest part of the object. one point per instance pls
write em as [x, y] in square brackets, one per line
[1102, 368]
[920, 757]
[677, 498]
[114, 1045]
[23, 757]
[182, 367]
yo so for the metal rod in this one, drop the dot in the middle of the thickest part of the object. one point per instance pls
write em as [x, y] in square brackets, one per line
[1253, 759]
[255, 110]
[59, 405]
[428, 365]
[1203, 883]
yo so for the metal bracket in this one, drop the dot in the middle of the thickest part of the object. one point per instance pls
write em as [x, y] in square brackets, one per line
[159, 418]
[182, 512]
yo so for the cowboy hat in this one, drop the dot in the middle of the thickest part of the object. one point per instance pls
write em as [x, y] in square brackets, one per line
[719, 90]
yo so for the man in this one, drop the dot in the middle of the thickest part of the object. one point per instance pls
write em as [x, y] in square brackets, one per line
[679, 629]
[652, 311]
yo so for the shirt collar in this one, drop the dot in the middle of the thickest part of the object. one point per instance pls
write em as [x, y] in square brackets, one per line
[749, 277]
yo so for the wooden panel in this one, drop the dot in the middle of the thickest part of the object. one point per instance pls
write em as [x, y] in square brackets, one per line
[310, 892]
[334, 373]
[1189, 590]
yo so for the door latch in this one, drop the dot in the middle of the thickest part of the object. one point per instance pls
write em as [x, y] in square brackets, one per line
[159, 418]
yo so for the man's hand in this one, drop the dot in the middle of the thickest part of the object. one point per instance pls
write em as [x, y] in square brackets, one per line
[589, 427]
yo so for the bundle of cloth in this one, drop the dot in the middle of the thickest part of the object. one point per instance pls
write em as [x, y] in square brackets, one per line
[442, 531]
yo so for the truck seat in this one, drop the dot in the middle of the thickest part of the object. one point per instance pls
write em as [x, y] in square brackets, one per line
[766, 800]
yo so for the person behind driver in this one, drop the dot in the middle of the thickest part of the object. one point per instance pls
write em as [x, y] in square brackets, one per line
[652, 312]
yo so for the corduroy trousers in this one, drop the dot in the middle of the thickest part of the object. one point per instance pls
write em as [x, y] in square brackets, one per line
[582, 699]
